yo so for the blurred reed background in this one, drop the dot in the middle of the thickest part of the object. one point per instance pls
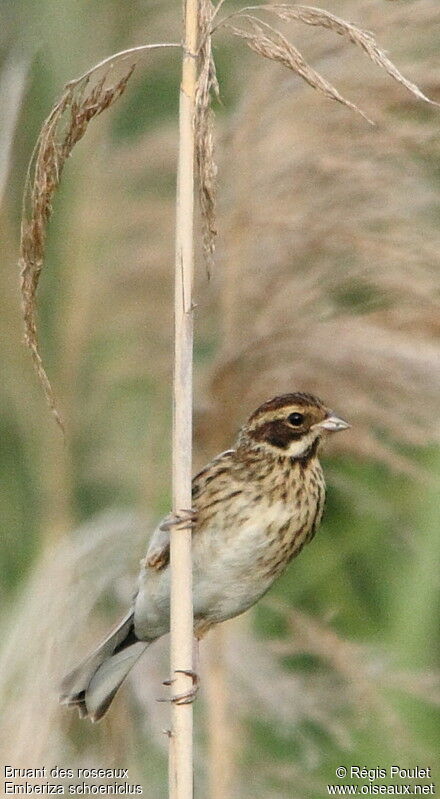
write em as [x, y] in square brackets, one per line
[326, 280]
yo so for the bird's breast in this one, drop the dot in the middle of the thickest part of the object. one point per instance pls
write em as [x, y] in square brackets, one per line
[242, 551]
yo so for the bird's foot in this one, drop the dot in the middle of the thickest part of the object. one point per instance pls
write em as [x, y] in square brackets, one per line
[180, 520]
[188, 697]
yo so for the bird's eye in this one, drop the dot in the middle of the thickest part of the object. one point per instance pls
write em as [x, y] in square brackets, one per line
[295, 419]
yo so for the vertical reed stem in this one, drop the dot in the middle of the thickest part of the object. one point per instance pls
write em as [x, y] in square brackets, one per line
[181, 739]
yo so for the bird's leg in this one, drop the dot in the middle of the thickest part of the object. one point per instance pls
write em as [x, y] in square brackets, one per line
[188, 696]
[179, 520]
[182, 520]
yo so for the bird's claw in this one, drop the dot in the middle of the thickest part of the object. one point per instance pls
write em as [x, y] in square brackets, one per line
[180, 520]
[188, 697]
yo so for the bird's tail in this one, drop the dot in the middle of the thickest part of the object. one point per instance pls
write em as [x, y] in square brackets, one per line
[92, 686]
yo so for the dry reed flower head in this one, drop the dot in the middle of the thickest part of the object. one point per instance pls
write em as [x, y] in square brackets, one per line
[64, 127]
[207, 85]
[265, 40]
[82, 100]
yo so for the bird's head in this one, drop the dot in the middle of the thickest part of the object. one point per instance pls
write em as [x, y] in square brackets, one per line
[292, 425]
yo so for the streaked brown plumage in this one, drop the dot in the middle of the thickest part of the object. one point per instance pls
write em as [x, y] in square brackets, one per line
[255, 507]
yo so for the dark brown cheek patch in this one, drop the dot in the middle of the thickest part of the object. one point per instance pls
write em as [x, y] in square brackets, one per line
[277, 433]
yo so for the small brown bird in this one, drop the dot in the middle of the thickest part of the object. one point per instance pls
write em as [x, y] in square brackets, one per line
[254, 508]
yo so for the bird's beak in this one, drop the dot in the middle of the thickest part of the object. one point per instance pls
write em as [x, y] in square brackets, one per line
[333, 424]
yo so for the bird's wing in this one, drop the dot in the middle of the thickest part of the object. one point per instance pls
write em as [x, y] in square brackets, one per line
[158, 553]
